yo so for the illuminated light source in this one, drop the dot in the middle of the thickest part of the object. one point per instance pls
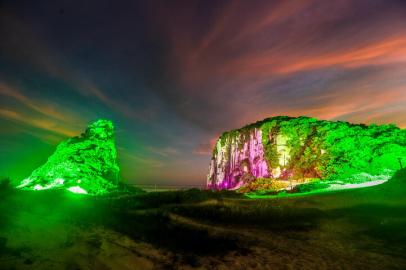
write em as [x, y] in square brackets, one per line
[24, 183]
[77, 189]
[58, 181]
[359, 185]
[38, 187]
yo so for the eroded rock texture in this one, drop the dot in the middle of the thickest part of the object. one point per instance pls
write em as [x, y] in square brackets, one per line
[289, 148]
[240, 157]
[83, 164]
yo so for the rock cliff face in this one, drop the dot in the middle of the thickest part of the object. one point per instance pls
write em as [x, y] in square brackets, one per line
[237, 158]
[288, 148]
[84, 164]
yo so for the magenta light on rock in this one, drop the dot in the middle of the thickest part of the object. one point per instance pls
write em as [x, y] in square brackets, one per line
[237, 158]
[305, 149]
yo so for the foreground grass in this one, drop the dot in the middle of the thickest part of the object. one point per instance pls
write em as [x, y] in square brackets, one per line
[351, 229]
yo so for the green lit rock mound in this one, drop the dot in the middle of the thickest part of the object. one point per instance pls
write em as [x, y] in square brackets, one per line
[276, 152]
[83, 164]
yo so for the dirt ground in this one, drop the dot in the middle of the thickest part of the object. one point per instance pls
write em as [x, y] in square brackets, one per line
[354, 229]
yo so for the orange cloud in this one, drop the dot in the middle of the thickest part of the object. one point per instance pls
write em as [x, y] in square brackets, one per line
[359, 105]
[41, 107]
[388, 51]
[44, 124]
[236, 64]
[207, 147]
[41, 115]
[268, 63]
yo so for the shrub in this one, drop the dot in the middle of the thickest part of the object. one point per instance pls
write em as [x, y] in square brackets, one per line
[5, 183]
[307, 187]
[264, 185]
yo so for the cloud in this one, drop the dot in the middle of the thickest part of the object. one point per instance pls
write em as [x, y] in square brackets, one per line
[39, 123]
[42, 115]
[139, 160]
[164, 151]
[206, 148]
[392, 50]
[44, 108]
[224, 68]
[18, 36]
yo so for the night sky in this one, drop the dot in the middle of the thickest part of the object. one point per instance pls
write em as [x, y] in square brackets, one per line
[173, 75]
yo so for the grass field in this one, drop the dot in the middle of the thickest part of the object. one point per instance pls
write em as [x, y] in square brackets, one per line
[348, 229]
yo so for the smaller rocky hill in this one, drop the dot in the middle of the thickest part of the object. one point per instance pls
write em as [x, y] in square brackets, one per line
[83, 164]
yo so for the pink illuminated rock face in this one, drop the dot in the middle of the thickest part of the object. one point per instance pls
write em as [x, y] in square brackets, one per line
[287, 148]
[237, 159]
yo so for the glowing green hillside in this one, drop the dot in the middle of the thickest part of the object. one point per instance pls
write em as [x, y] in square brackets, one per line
[284, 151]
[83, 164]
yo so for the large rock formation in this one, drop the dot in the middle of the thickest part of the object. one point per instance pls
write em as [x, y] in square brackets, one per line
[83, 164]
[288, 148]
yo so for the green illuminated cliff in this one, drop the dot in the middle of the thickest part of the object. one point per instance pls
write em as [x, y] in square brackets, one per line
[303, 149]
[84, 164]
